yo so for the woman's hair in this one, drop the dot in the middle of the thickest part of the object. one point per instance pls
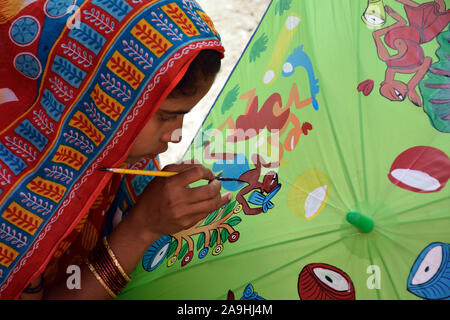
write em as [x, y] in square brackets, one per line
[206, 65]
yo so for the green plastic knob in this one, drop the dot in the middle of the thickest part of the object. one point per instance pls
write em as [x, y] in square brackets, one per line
[363, 223]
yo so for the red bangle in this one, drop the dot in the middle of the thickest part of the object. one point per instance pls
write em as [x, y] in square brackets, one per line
[106, 268]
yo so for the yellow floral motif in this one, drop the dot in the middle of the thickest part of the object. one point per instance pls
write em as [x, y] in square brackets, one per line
[181, 19]
[125, 70]
[208, 21]
[81, 122]
[7, 255]
[70, 157]
[22, 218]
[151, 38]
[106, 104]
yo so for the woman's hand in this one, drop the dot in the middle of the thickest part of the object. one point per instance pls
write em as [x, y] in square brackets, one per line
[169, 205]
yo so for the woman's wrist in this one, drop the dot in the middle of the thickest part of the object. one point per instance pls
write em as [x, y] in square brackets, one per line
[135, 224]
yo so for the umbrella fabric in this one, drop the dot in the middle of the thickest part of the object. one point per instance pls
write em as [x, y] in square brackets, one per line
[79, 80]
[345, 104]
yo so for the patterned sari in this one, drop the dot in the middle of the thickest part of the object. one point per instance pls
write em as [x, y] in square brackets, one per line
[79, 79]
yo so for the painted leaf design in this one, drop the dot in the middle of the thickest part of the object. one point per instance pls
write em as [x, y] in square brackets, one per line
[210, 218]
[282, 6]
[258, 48]
[183, 251]
[230, 99]
[228, 209]
[200, 241]
[172, 248]
[213, 238]
[224, 235]
[234, 221]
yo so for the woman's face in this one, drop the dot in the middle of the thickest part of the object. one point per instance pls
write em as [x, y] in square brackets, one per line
[165, 125]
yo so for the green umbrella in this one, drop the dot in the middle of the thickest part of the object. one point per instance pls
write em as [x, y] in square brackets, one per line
[341, 116]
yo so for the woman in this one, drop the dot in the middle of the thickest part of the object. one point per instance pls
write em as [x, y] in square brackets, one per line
[107, 87]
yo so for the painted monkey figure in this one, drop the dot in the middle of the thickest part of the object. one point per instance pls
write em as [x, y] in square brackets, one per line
[268, 185]
[426, 21]
[273, 117]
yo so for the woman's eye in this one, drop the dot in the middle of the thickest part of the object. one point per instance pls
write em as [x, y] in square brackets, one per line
[167, 118]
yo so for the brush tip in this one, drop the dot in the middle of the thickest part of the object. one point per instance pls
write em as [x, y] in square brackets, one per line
[104, 169]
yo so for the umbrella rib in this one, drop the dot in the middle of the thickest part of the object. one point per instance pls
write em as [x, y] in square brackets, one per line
[341, 157]
[360, 109]
[291, 262]
[416, 221]
[387, 270]
[337, 190]
[281, 243]
[422, 205]
[372, 263]
[383, 233]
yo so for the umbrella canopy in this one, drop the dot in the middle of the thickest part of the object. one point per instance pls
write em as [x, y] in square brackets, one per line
[337, 118]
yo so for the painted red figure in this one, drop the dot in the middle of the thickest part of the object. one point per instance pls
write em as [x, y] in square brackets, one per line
[270, 181]
[426, 21]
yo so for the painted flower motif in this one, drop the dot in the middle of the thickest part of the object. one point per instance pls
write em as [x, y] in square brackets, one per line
[58, 8]
[28, 65]
[24, 30]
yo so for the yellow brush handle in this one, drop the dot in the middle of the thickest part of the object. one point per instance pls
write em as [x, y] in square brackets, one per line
[143, 172]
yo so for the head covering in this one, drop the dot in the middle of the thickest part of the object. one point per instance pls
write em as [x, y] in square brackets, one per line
[79, 79]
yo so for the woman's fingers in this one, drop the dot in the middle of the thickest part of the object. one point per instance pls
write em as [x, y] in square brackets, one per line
[203, 208]
[180, 167]
[169, 205]
[193, 174]
[205, 192]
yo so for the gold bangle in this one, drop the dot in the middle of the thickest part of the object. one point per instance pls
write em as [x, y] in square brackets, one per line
[99, 279]
[115, 261]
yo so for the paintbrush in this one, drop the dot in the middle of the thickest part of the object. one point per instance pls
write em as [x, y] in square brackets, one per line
[158, 173]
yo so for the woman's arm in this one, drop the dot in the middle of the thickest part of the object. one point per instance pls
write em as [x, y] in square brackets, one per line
[167, 206]
[128, 246]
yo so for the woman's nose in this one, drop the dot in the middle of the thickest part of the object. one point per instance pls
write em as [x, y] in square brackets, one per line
[173, 136]
[174, 131]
